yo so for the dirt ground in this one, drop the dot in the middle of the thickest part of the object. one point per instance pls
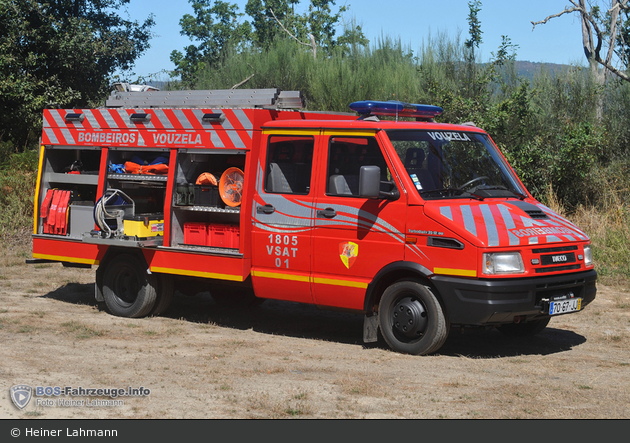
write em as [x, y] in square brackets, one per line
[286, 360]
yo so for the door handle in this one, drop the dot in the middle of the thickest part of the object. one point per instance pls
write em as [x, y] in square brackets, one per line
[267, 209]
[328, 213]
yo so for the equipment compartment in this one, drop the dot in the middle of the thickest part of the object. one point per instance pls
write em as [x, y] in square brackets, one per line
[197, 201]
[69, 177]
[142, 175]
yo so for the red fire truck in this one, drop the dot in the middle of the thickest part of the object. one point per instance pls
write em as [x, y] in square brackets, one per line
[418, 226]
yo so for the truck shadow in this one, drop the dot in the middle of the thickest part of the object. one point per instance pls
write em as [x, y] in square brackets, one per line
[494, 344]
[75, 293]
[306, 321]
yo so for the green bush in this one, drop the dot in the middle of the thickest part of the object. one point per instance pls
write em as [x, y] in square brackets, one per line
[17, 189]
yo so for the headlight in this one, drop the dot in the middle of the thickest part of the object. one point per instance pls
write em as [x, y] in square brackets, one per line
[503, 263]
[588, 256]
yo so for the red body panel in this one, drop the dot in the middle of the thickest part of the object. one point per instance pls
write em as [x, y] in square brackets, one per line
[67, 251]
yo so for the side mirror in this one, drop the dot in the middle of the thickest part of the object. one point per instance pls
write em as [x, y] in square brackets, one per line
[370, 182]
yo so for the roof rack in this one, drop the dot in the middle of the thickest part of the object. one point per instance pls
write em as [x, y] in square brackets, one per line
[219, 98]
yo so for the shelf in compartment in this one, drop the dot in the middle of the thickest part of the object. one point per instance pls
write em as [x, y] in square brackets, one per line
[138, 177]
[227, 252]
[127, 241]
[209, 209]
[75, 179]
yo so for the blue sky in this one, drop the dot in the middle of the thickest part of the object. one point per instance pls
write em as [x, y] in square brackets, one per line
[558, 41]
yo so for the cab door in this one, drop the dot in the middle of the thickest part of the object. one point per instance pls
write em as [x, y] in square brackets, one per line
[282, 217]
[353, 237]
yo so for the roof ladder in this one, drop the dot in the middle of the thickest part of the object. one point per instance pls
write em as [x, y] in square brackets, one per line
[219, 98]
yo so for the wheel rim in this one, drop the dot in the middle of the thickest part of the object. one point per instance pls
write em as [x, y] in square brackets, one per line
[409, 318]
[126, 287]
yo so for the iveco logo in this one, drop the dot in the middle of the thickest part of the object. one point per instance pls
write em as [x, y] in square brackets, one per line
[559, 258]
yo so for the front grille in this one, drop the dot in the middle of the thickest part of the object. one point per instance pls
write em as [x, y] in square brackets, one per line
[548, 250]
[560, 284]
[557, 268]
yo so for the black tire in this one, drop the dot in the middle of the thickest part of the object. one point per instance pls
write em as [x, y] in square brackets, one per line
[128, 290]
[524, 329]
[411, 319]
[165, 291]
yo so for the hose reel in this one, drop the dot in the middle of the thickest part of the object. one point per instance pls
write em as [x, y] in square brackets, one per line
[110, 210]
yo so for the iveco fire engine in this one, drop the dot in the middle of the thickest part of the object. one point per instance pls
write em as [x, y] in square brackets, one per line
[417, 226]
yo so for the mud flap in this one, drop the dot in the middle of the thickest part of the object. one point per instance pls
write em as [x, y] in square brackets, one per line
[370, 328]
[98, 287]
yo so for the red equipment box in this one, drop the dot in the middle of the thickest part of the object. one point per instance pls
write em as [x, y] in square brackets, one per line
[195, 234]
[223, 236]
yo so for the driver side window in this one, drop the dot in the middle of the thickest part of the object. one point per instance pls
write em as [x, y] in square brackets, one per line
[346, 155]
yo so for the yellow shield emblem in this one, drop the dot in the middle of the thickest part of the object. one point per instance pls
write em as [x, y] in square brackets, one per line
[348, 253]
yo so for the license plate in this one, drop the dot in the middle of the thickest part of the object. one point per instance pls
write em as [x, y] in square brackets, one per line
[565, 306]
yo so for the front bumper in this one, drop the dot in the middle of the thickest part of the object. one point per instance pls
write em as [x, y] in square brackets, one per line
[498, 301]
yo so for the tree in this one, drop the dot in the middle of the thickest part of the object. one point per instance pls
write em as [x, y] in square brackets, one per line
[623, 37]
[265, 26]
[60, 53]
[216, 29]
[272, 18]
[598, 31]
[474, 27]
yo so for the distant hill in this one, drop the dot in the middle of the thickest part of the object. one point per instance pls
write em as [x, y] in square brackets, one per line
[529, 69]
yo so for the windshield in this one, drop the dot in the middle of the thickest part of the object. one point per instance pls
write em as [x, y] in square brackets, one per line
[447, 164]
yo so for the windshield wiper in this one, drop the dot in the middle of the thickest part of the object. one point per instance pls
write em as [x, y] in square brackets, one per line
[452, 192]
[502, 188]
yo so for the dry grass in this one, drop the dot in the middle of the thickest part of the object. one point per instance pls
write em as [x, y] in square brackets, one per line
[608, 227]
[202, 361]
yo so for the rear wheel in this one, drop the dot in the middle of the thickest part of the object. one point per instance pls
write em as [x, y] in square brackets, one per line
[524, 329]
[411, 319]
[128, 290]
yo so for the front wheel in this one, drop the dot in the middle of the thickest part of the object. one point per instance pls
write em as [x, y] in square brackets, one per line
[128, 290]
[411, 319]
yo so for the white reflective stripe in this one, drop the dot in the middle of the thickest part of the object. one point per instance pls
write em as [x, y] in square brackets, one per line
[125, 118]
[469, 220]
[51, 136]
[182, 119]
[59, 120]
[198, 113]
[446, 212]
[161, 117]
[89, 115]
[509, 224]
[109, 119]
[233, 134]
[245, 121]
[68, 136]
[216, 140]
[491, 226]
[527, 222]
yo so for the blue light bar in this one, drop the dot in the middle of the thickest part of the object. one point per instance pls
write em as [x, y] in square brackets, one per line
[395, 108]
